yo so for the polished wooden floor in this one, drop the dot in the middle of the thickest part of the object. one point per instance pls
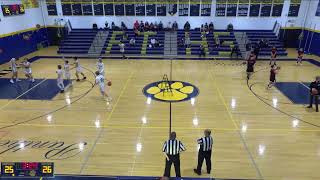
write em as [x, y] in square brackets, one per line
[251, 140]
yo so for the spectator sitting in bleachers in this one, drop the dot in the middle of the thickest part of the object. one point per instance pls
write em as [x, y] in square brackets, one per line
[186, 26]
[113, 26]
[202, 51]
[221, 41]
[136, 25]
[94, 26]
[206, 28]
[156, 26]
[187, 42]
[136, 32]
[256, 51]
[132, 42]
[169, 27]
[160, 26]
[235, 50]
[153, 42]
[202, 28]
[123, 26]
[216, 42]
[151, 27]
[175, 26]
[211, 27]
[106, 25]
[141, 27]
[146, 26]
[181, 42]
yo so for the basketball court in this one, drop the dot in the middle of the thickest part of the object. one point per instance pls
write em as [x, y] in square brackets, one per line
[258, 133]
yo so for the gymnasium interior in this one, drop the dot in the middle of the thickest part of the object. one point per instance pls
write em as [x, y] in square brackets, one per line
[170, 66]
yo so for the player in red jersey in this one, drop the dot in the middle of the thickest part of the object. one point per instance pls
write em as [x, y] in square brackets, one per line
[273, 56]
[273, 71]
[250, 65]
[300, 56]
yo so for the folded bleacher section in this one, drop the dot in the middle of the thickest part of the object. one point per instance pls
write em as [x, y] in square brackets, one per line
[208, 41]
[256, 36]
[78, 41]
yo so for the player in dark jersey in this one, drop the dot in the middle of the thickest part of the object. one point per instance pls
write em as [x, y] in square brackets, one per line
[250, 64]
[273, 71]
[273, 56]
[300, 56]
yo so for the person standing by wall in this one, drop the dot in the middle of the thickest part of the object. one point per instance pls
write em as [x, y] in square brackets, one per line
[204, 152]
[315, 93]
[171, 149]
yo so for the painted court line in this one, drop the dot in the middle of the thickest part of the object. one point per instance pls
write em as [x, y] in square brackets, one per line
[10, 101]
[102, 129]
[304, 85]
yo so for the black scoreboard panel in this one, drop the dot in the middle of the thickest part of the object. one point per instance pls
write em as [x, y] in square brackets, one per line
[52, 7]
[98, 7]
[206, 7]
[294, 8]
[183, 7]
[221, 7]
[243, 8]
[108, 8]
[66, 7]
[27, 169]
[277, 8]
[195, 7]
[76, 7]
[87, 7]
[161, 8]
[232, 6]
[130, 8]
[13, 9]
[172, 7]
[140, 8]
[150, 8]
[254, 8]
[119, 7]
[266, 8]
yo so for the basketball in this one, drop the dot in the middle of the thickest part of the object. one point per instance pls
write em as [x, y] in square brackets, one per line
[278, 68]
[314, 91]
[109, 83]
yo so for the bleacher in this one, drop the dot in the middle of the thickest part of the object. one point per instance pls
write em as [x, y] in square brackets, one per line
[78, 41]
[207, 40]
[142, 43]
[256, 36]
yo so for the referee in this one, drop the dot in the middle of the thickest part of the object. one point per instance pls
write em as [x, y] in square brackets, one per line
[171, 149]
[204, 151]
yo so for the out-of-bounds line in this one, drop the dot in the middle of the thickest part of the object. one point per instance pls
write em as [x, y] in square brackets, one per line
[2, 107]
[56, 110]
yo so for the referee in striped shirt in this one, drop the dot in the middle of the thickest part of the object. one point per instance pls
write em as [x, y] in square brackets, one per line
[204, 151]
[171, 149]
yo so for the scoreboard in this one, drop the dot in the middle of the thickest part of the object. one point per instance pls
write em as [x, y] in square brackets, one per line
[13, 9]
[27, 169]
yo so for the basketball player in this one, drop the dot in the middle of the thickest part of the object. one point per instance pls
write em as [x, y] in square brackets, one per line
[27, 69]
[100, 67]
[78, 69]
[121, 45]
[60, 79]
[14, 70]
[300, 56]
[273, 71]
[100, 81]
[67, 73]
[250, 65]
[273, 56]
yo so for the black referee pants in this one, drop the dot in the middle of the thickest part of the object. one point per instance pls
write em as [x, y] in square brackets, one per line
[204, 155]
[175, 159]
[316, 101]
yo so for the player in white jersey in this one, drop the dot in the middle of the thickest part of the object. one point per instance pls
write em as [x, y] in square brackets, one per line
[60, 78]
[27, 69]
[14, 70]
[100, 67]
[67, 73]
[78, 69]
[100, 80]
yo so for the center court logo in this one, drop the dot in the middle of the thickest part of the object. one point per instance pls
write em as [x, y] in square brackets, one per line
[170, 91]
[53, 150]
